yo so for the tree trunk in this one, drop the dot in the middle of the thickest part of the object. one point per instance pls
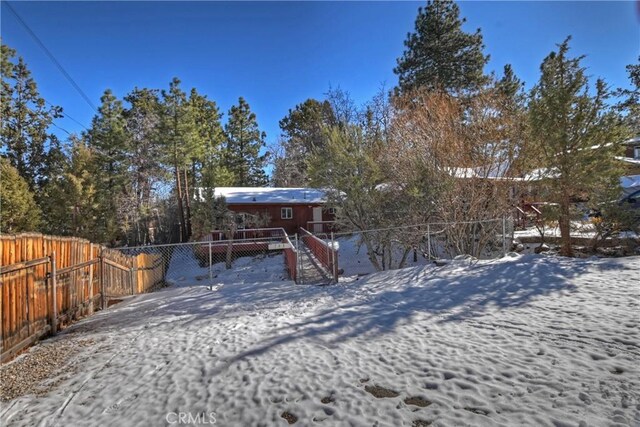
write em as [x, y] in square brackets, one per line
[371, 253]
[180, 208]
[565, 227]
[187, 198]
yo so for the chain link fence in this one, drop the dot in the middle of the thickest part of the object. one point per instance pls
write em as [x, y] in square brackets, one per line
[250, 256]
[267, 255]
[365, 251]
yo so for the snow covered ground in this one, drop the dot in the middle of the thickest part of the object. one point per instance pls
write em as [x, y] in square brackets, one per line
[525, 340]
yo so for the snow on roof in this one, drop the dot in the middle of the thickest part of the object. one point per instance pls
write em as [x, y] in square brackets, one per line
[280, 195]
[629, 160]
[630, 184]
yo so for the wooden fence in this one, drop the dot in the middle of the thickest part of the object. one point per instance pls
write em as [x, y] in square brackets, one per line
[46, 282]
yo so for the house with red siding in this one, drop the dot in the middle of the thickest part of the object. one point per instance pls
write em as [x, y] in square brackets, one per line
[287, 208]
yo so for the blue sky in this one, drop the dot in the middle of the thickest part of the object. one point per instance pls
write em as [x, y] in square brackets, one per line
[277, 54]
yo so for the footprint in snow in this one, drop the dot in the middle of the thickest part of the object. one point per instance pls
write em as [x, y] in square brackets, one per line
[478, 411]
[381, 392]
[417, 401]
[121, 404]
[289, 417]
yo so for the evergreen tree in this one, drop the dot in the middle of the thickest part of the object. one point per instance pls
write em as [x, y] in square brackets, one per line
[177, 133]
[108, 140]
[143, 119]
[303, 131]
[511, 87]
[630, 103]
[244, 141]
[575, 131]
[439, 54]
[25, 120]
[18, 209]
[208, 168]
[71, 200]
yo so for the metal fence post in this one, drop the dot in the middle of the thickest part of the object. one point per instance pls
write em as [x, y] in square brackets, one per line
[428, 241]
[504, 236]
[210, 263]
[334, 255]
[54, 291]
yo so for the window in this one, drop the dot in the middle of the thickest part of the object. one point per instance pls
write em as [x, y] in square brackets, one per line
[636, 152]
[332, 211]
[241, 219]
[286, 213]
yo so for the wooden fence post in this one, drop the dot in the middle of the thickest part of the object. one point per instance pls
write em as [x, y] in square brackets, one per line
[91, 280]
[102, 273]
[133, 273]
[54, 291]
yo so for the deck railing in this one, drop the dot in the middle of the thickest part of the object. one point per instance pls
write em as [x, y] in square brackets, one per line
[325, 254]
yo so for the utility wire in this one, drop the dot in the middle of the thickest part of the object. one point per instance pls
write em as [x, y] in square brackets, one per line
[65, 115]
[50, 55]
[61, 128]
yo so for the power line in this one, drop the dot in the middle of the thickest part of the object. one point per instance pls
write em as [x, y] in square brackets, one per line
[50, 55]
[61, 128]
[67, 115]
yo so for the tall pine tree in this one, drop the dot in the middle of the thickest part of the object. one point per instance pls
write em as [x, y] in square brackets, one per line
[244, 142]
[576, 132]
[439, 54]
[108, 140]
[303, 131]
[26, 118]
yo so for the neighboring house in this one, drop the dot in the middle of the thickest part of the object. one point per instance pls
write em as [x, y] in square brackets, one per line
[631, 156]
[288, 208]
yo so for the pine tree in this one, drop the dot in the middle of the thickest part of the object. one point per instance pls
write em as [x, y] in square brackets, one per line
[630, 103]
[18, 209]
[439, 54]
[71, 201]
[25, 120]
[180, 140]
[143, 119]
[208, 168]
[303, 131]
[576, 133]
[108, 140]
[244, 142]
[511, 87]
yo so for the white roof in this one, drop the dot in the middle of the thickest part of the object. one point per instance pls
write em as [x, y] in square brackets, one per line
[629, 160]
[630, 183]
[279, 195]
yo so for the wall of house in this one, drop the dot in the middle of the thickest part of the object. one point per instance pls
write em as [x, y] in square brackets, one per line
[301, 214]
[629, 151]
